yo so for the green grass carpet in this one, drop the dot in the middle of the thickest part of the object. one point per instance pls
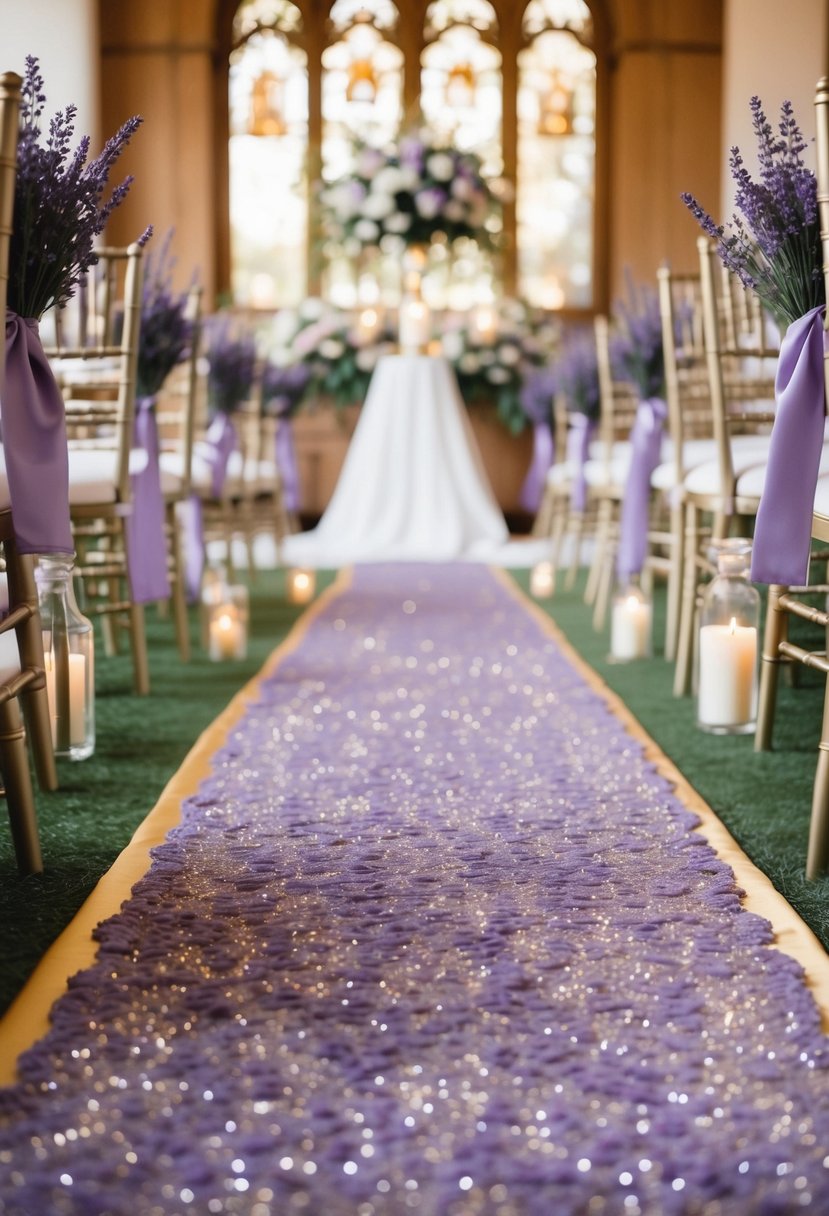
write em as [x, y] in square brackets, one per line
[763, 800]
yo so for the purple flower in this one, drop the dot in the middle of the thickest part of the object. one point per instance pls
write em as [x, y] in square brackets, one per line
[231, 373]
[60, 203]
[636, 351]
[576, 374]
[283, 388]
[537, 395]
[773, 245]
[166, 330]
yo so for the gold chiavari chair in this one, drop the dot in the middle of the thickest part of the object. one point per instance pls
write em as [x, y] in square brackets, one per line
[690, 433]
[741, 360]
[784, 602]
[21, 640]
[606, 472]
[96, 369]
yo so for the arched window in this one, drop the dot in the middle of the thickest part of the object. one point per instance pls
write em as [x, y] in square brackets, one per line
[556, 155]
[514, 81]
[268, 101]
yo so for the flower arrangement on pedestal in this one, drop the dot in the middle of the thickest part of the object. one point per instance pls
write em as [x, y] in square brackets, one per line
[493, 361]
[412, 192]
[338, 357]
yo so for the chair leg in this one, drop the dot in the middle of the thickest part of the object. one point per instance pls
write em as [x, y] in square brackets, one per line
[576, 531]
[776, 631]
[35, 700]
[138, 645]
[600, 553]
[14, 765]
[684, 653]
[674, 597]
[181, 621]
[817, 857]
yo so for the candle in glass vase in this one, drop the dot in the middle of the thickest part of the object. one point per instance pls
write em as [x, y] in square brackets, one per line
[727, 696]
[415, 326]
[227, 634]
[630, 627]
[542, 580]
[301, 586]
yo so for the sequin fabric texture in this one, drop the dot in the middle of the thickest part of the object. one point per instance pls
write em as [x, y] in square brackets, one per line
[434, 938]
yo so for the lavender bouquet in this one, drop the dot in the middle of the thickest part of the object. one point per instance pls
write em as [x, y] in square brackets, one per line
[636, 351]
[412, 192]
[576, 375]
[774, 242]
[60, 203]
[231, 356]
[166, 331]
[283, 388]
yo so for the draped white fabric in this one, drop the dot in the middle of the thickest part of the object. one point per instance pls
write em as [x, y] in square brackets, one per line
[412, 486]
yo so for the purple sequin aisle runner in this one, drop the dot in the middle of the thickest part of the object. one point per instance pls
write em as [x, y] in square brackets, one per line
[435, 937]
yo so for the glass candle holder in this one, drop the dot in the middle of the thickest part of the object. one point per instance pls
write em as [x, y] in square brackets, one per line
[69, 656]
[228, 630]
[213, 592]
[631, 620]
[542, 580]
[727, 648]
[301, 586]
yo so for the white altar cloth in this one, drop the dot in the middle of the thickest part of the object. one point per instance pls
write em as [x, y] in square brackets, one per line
[413, 487]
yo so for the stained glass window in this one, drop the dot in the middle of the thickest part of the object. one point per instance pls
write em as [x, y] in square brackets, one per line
[268, 99]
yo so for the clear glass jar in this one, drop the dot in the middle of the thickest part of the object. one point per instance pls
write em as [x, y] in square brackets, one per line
[729, 631]
[69, 654]
[631, 620]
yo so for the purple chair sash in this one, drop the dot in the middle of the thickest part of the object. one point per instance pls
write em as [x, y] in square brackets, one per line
[783, 530]
[221, 442]
[286, 463]
[146, 539]
[579, 434]
[35, 445]
[542, 458]
[646, 451]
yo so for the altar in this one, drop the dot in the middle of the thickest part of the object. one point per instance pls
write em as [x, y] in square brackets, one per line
[413, 486]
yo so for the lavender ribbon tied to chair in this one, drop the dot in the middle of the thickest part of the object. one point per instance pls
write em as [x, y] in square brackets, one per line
[646, 451]
[544, 450]
[220, 444]
[783, 529]
[579, 434]
[146, 539]
[285, 456]
[34, 442]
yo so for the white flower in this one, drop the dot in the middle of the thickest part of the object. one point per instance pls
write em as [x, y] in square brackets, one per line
[388, 180]
[454, 211]
[398, 222]
[440, 166]
[452, 345]
[409, 179]
[509, 355]
[366, 231]
[331, 349]
[497, 375]
[486, 357]
[311, 309]
[369, 162]
[377, 206]
[462, 188]
[366, 358]
[469, 364]
[427, 204]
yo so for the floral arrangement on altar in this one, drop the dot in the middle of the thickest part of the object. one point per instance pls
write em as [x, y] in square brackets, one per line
[60, 202]
[492, 362]
[412, 192]
[232, 363]
[773, 245]
[336, 353]
[166, 331]
[636, 351]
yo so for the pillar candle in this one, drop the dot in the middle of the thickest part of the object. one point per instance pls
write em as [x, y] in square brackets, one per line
[301, 586]
[415, 325]
[227, 634]
[727, 674]
[630, 628]
[542, 580]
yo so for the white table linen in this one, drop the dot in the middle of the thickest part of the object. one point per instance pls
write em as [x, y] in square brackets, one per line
[413, 486]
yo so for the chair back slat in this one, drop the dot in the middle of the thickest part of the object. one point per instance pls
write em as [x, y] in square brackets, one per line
[10, 84]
